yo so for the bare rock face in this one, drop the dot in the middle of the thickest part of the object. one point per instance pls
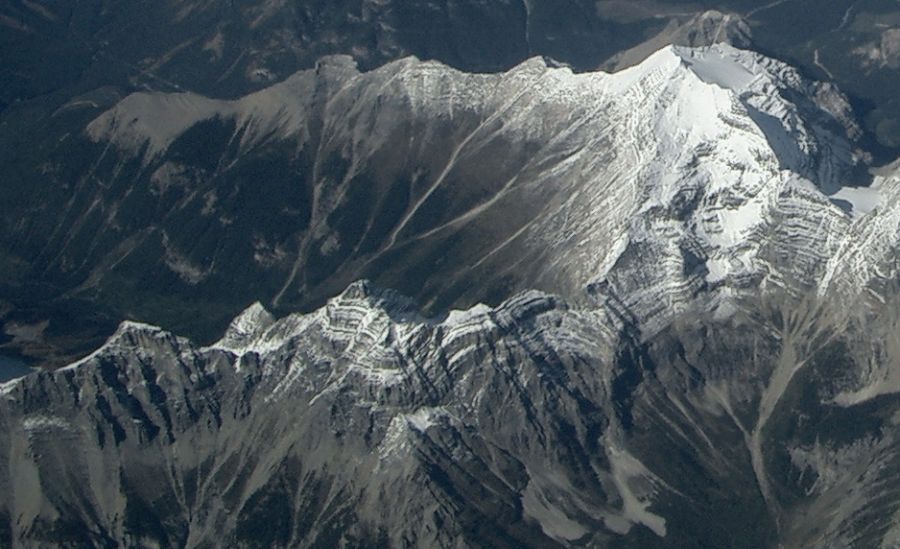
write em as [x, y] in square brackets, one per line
[693, 338]
[531, 424]
[460, 188]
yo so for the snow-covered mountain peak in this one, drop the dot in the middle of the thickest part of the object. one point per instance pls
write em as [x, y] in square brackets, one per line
[808, 125]
[723, 65]
[131, 334]
[362, 313]
[246, 327]
[663, 181]
[799, 118]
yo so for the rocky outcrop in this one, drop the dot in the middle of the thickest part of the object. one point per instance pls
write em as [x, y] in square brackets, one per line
[693, 339]
[531, 424]
[459, 188]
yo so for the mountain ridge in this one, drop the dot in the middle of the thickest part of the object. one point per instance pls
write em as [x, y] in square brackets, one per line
[722, 344]
[548, 156]
[482, 296]
[535, 178]
[496, 376]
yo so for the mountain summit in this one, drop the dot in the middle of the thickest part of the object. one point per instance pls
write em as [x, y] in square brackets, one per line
[690, 337]
[459, 188]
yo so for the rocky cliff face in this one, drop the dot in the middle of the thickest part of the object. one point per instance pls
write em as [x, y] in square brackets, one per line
[531, 424]
[698, 348]
[699, 171]
[63, 64]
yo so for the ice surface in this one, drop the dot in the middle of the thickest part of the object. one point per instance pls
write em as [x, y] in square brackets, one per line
[860, 200]
[721, 65]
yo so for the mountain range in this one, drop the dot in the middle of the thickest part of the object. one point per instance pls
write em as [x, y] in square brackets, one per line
[649, 308]
[65, 65]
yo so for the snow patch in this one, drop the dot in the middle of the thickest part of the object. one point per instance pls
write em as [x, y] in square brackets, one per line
[379, 376]
[45, 423]
[423, 418]
[244, 329]
[460, 317]
[861, 200]
[721, 65]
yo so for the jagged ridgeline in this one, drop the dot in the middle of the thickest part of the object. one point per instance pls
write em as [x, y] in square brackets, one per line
[531, 424]
[718, 168]
[712, 360]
